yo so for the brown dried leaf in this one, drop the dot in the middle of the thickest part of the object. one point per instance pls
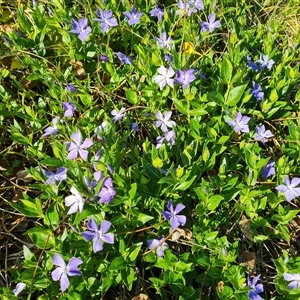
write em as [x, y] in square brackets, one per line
[141, 297]
[178, 233]
[245, 228]
[24, 175]
[248, 259]
[221, 286]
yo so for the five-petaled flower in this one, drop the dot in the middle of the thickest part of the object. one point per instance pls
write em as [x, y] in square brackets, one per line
[124, 59]
[169, 137]
[255, 288]
[211, 25]
[289, 189]
[256, 91]
[269, 169]
[185, 77]
[71, 88]
[185, 7]
[157, 12]
[52, 129]
[60, 175]
[294, 280]
[75, 201]
[106, 19]
[165, 77]
[240, 123]
[164, 42]
[118, 115]
[172, 215]
[69, 109]
[81, 28]
[262, 134]
[62, 271]
[158, 244]
[164, 120]
[133, 16]
[98, 234]
[264, 62]
[77, 146]
[107, 192]
[251, 64]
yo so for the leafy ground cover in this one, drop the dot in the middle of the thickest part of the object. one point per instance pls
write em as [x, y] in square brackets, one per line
[149, 150]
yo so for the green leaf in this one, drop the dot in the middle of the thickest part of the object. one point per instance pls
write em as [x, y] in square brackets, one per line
[198, 112]
[41, 237]
[118, 263]
[23, 21]
[26, 208]
[52, 217]
[131, 96]
[226, 71]
[144, 218]
[134, 251]
[214, 202]
[157, 163]
[181, 106]
[235, 95]
[186, 184]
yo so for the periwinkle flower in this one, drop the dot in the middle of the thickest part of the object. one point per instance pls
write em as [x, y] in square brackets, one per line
[157, 12]
[62, 271]
[168, 57]
[19, 288]
[251, 64]
[289, 189]
[107, 192]
[104, 58]
[164, 42]
[256, 91]
[159, 244]
[71, 88]
[69, 109]
[164, 120]
[133, 16]
[52, 129]
[269, 169]
[185, 7]
[294, 280]
[185, 77]
[265, 63]
[211, 25]
[60, 175]
[169, 137]
[98, 235]
[255, 288]
[75, 201]
[164, 77]
[77, 146]
[106, 19]
[124, 59]
[262, 134]
[172, 215]
[240, 123]
[81, 28]
[118, 115]
[135, 126]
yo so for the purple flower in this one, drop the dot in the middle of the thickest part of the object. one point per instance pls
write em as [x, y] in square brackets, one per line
[124, 59]
[98, 235]
[92, 184]
[251, 64]
[168, 57]
[19, 288]
[294, 280]
[256, 91]
[60, 175]
[71, 88]
[133, 16]
[163, 120]
[211, 25]
[118, 115]
[255, 288]
[169, 137]
[52, 130]
[289, 188]
[164, 77]
[157, 12]
[185, 7]
[185, 77]
[163, 41]
[69, 109]
[75, 201]
[264, 62]
[106, 19]
[172, 215]
[240, 123]
[77, 146]
[262, 134]
[198, 4]
[81, 28]
[269, 169]
[104, 58]
[62, 270]
[158, 244]
[135, 127]
[107, 192]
